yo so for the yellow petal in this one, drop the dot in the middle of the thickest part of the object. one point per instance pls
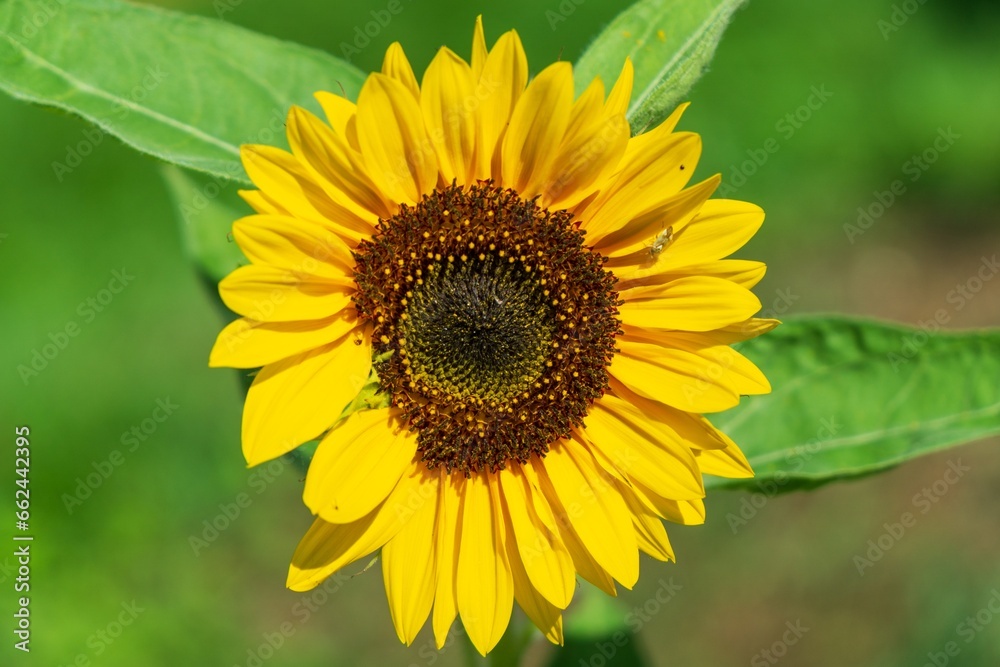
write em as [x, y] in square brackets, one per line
[536, 129]
[397, 150]
[247, 343]
[642, 450]
[543, 556]
[691, 381]
[336, 166]
[272, 294]
[584, 162]
[498, 90]
[721, 227]
[396, 66]
[649, 531]
[479, 51]
[737, 333]
[744, 273]
[545, 615]
[729, 462]
[408, 571]
[556, 518]
[586, 565]
[649, 177]
[281, 178]
[294, 400]
[587, 111]
[338, 110]
[262, 203]
[691, 303]
[643, 139]
[357, 464]
[279, 175]
[673, 213]
[328, 547]
[295, 245]
[692, 429]
[485, 587]
[685, 512]
[603, 459]
[695, 340]
[724, 365]
[599, 515]
[622, 91]
[448, 541]
[447, 101]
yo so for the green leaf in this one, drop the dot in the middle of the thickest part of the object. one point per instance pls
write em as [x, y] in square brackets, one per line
[853, 397]
[186, 89]
[206, 212]
[670, 42]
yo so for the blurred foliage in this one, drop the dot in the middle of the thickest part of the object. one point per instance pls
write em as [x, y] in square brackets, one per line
[136, 535]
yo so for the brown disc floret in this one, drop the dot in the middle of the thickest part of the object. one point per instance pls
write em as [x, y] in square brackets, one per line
[501, 324]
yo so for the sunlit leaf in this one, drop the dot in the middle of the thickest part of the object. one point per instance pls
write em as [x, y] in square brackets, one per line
[852, 397]
[186, 89]
[670, 42]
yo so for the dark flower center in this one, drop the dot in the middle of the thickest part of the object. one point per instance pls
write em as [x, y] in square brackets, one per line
[500, 322]
[478, 328]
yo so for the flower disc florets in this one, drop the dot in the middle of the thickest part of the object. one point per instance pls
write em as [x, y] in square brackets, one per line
[501, 324]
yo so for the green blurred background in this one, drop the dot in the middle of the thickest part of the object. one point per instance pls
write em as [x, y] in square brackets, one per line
[130, 542]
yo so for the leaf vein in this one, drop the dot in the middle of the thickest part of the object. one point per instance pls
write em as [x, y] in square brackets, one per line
[78, 86]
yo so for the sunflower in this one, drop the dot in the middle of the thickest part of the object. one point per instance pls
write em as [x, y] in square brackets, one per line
[546, 306]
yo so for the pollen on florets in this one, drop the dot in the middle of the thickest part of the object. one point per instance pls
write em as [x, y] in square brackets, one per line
[501, 324]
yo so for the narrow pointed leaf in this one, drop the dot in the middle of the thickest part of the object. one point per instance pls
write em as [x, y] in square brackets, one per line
[670, 42]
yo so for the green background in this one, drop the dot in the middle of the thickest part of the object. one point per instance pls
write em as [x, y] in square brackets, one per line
[130, 540]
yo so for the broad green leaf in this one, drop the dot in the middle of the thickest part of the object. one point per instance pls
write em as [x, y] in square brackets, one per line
[852, 397]
[186, 89]
[670, 42]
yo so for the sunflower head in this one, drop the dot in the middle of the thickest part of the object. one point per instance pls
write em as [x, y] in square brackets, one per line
[500, 324]
[546, 304]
